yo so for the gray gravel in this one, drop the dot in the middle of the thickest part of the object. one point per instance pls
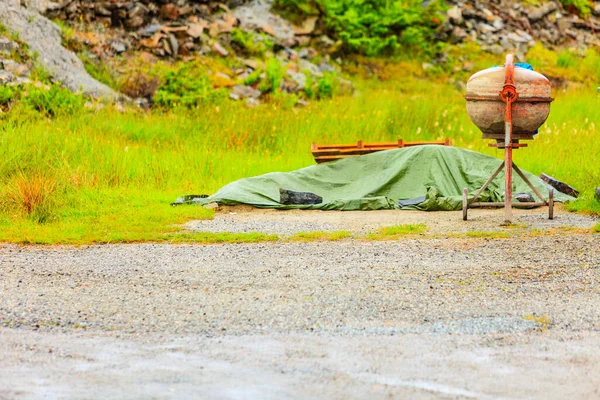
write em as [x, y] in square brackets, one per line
[427, 318]
[287, 223]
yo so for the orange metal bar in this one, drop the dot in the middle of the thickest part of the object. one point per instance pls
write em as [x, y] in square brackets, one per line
[509, 96]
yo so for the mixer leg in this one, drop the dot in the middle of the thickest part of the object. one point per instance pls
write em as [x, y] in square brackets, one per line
[551, 203]
[465, 203]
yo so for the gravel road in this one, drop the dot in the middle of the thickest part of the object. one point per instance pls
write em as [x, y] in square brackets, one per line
[414, 318]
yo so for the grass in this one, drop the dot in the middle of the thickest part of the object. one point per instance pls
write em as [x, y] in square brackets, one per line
[110, 176]
[397, 231]
[320, 236]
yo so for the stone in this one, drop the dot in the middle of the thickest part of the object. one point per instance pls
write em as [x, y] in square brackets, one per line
[245, 92]
[290, 197]
[298, 77]
[560, 186]
[44, 37]
[118, 46]
[597, 194]
[458, 35]
[252, 102]
[308, 53]
[305, 65]
[6, 77]
[307, 27]
[596, 9]
[540, 12]
[258, 15]
[455, 15]
[6, 46]
[302, 103]
[219, 49]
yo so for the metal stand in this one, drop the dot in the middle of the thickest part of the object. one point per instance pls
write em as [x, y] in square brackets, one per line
[508, 95]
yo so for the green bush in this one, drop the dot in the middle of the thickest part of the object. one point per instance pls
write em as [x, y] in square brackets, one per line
[373, 27]
[53, 101]
[250, 44]
[583, 7]
[274, 74]
[187, 87]
[7, 94]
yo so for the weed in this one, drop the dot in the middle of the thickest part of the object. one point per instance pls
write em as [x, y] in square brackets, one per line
[596, 228]
[397, 231]
[486, 234]
[320, 236]
[544, 321]
[249, 43]
[32, 194]
[274, 73]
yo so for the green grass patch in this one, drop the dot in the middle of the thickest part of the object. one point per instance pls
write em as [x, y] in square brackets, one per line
[486, 234]
[596, 228]
[397, 231]
[108, 176]
[320, 236]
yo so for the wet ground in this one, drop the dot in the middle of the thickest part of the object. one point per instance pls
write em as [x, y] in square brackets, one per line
[422, 317]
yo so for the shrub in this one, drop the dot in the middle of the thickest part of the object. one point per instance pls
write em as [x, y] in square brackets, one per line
[274, 74]
[186, 87]
[372, 27]
[53, 101]
[582, 7]
[32, 194]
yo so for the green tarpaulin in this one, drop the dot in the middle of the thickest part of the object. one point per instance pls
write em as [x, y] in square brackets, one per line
[379, 180]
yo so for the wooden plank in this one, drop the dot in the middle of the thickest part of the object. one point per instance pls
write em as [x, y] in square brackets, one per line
[330, 152]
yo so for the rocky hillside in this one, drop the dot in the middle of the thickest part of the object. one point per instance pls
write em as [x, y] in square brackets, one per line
[297, 46]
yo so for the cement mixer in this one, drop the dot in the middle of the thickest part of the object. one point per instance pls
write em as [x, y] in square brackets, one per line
[508, 104]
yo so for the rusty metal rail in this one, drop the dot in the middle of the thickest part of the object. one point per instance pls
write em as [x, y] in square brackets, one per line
[331, 152]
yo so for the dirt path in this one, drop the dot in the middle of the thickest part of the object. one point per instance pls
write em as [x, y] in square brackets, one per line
[414, 318]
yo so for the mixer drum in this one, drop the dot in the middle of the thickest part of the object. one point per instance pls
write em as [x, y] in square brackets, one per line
[487, 111]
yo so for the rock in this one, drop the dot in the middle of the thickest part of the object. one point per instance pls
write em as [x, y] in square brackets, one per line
[307, 27]
[6, 77]
[142, 103]
[219, 49]
[597, 194]
[524, 198]
[252, 102]
[14, 67]
[245, 92]
[560, 186]
[596, 9]
[298, 77]
[540, 12]
[254, 64]
[455, 15]
[6, 46]
[258, 15]
[44, 37]
[308, 53]
[302, 103]
[458, 35]
[326, 41]
[305, 65]
[118, 46]
[290, 197]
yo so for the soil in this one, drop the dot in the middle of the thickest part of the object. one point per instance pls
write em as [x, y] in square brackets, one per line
[429, 316]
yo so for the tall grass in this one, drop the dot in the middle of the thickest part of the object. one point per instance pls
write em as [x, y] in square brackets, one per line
[110, 176]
